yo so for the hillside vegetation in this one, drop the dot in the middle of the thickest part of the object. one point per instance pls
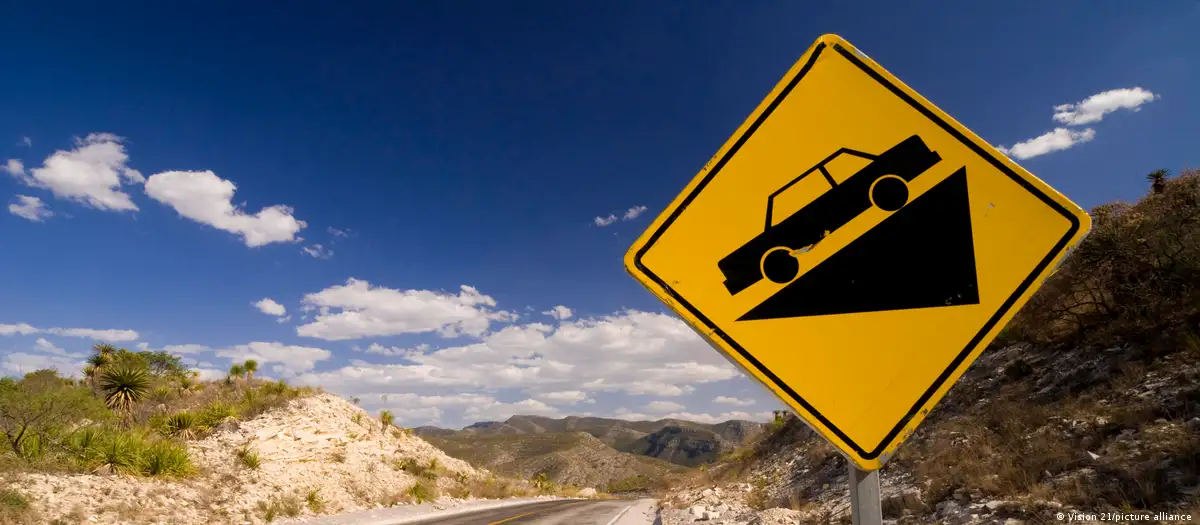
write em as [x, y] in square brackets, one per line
[676, 441]
[568, 458]
[140, 440]
[1089, 400]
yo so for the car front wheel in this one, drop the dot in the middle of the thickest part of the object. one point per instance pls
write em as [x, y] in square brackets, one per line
[780, 266]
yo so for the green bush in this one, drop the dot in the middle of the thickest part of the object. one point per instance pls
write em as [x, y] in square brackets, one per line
[38, 406]
[15, 508]
[165, 458]
[181, 425]
[422, 493]
[120, 453]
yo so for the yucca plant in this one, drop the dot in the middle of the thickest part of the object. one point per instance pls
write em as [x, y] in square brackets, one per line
[250, 367]
[164, 458]
[235, 372]
[386, 418]
[161, 394]
[182, 425]
[120, 454]
[124, 387]
[248, 457]
[216, 413]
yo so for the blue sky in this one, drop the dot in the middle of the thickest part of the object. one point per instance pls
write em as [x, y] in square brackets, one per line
[426, 147]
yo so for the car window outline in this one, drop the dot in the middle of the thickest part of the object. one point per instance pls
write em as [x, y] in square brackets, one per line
[820, 166]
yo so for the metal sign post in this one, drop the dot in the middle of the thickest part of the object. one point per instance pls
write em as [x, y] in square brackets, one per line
[865, 503]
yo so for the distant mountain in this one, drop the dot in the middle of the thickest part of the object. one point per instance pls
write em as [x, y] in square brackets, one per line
[575, 458]
[680, 442]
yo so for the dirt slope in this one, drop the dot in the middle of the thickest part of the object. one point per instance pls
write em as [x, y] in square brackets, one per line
[320, 443]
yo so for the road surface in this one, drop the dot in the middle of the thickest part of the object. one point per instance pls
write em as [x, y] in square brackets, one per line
[513, 512]
[586, 512]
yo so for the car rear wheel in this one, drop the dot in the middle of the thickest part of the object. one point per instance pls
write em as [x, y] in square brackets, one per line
[889, 193]
[779, 266]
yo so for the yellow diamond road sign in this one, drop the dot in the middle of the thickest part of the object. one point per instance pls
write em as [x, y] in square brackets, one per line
[854, 249]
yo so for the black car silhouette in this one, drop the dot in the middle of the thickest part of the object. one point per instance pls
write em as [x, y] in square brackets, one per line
[883, 183]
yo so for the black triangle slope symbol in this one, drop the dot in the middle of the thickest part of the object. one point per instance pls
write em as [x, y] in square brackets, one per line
[922, 256]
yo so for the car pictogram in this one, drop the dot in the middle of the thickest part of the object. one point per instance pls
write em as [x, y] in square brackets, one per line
[883, 184]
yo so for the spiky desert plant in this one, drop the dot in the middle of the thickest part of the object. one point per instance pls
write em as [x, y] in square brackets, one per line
[124, 387]
[164, 458]
[182, 425]
[121, 454]
[250, 367]
[386, 418]
[236, 371]
[1158, 180]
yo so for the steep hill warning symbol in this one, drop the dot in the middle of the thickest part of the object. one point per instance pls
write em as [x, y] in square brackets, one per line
[853, 249]
[921, 256]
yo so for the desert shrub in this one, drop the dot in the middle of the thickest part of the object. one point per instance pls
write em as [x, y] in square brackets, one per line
[38, 406]
[421, 492]
[248, 457]
[15, 508]
[1135, 278]
[315, 502]
[216, 413]
[166, 458]
[636, 483]
[181, 425]
[120, 453]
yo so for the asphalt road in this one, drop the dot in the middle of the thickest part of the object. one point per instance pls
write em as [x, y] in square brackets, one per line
[588, 512]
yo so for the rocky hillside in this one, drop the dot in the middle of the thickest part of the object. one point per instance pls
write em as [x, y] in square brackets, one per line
[680, 442]
[1090, 401]
[316, 455]
[567, 458]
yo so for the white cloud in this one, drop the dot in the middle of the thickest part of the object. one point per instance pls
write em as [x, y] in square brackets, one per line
[15, 168]
[112, 336]
[663, 406]
[31, 208]
[605, 221]
[760, 417]
[204, 197]
[318, 251]
[643, 353]
[292, 359]
[19, 328]
[630, 415]
[563, 397]
[376, 348]
[91, 174]
[1093, 108]
[498, 411]
[185, 349]
[1051, 141]
[1090, 110]
[44, 346]
[724, 400]
[268, 306]
[25, 142]
[559, 312]
[357, 309]
[20, 363]
[633, 213]
[336, 232]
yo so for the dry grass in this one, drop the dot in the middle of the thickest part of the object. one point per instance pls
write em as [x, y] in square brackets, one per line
[15, 508]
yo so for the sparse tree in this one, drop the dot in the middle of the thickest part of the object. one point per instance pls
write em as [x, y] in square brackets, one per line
[250, 366]
[38, 404]
[1158, 180]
